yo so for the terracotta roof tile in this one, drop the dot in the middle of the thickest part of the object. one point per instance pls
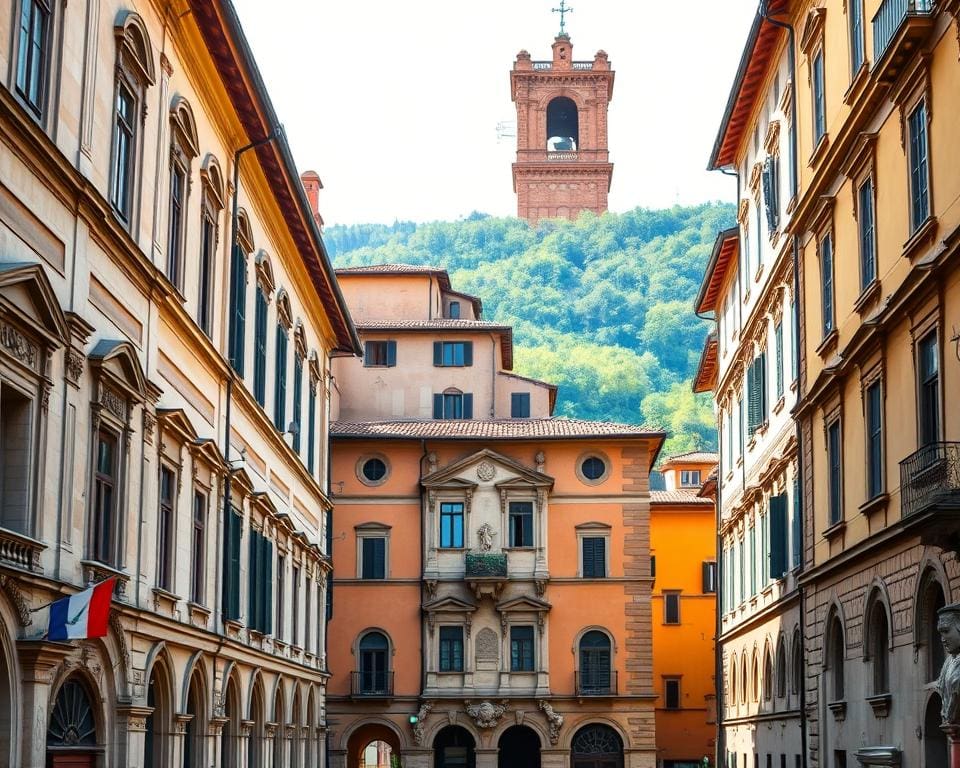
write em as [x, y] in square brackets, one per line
[693, 457]
[491, 429]
[438, 324]
[678, 497]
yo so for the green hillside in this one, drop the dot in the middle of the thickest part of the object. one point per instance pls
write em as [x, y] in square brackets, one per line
[603, 307]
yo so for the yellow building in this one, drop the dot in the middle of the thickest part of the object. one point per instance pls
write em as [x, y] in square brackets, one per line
[164, 397]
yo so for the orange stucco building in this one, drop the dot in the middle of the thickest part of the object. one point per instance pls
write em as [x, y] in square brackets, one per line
[491, 599]
[683, 549]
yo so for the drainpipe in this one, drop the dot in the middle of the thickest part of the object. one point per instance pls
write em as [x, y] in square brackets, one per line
[423, 648]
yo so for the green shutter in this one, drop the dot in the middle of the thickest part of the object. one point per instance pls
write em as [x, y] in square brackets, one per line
[253, 551]
[797, 522]
[467, 405]
[231, 581]
[267, 586]
[468, 353]
[391, 353]
[778, 536]
[751, 398]
[438, 406]
[438, 353]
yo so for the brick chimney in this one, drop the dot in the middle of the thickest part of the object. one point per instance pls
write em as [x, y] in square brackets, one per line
[312, 186]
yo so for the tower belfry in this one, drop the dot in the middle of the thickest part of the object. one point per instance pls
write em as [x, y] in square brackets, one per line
[563, 164]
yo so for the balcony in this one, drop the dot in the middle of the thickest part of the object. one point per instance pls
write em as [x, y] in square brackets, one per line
[546, 65]
[486, 565]
[371, 685]
[930, 493]
[20, 551]
[598, 682]
[898, 30]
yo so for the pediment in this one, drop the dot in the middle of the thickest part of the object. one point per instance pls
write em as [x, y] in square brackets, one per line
[118, 361]
[482, 461]
[449, 605]
[453, 483]
[593, 525]
[524, 603]
[176, 420]
[372, 526]
[262, 499]
[206, 450]
[27, 295]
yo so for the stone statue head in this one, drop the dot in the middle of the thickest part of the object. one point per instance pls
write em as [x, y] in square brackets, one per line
[948, 624]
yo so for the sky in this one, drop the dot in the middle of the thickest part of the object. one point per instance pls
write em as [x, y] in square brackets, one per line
[396, 105]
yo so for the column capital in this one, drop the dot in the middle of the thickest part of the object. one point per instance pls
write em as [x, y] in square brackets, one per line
[39, 658]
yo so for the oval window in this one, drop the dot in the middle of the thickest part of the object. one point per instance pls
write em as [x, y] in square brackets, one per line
[593, 468]
[374, 470]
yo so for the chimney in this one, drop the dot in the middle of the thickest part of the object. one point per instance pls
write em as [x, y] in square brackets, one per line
[312, 186]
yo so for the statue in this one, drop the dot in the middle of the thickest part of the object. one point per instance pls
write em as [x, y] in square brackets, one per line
[485, 714]
[554, 720]
[948, 684]
[419, 724]
[485, 537]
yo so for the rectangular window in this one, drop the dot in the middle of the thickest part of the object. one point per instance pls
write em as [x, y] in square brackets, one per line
[238, 308]
[690, 478]
[856, 35]
[868, 245]
[104, 521]
[779, 536]
[280, 379]
[519, 405]
[451, 525]
[762, 554]
[233, 525]
[295, 603]
[797, 523]
[778, 352]
[379, 354]
[281, 594]
[208, 256]
[919, 169]
[742, 570]
[771, 191]
[740, 437]
[757, 393]
[32, 52]
[671, 607]
[730, 456]
[453, 353]
[373, 556]
[671, 692]
[521, 649]
[165, 528]
[819, 99]
[874, 409]
[297, 401]
[198, 549]
[453, 311]
[594, 552]
[929, 389]
[260, 583]
[16, 440]
[453, 405]
[312, 428]
[752, 560]
[260, 347]
[834, 463]
[709, 576]
[124, 149]
[826, 283]
[521, 523]
[178, 194]
[451, 649]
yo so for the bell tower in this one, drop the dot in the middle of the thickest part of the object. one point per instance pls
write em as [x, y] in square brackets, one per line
[563, 165]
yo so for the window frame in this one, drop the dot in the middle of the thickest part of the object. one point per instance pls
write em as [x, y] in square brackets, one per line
[874, 435]
[30, 391]
[920, 195]
[835, 506]
[518, 661]
[828, 296]
[166, 518]
[582, 459]
[690, 483]
[388, 358]
[373, 532]
[594, 534]
[451, 666]
[519, 405]
[932, 422]
[669, 680]
[669, 594]
[818, 95]
[281, 354]
[857, 36]
[37, 107]
[465, 348]
[867, 233]
[528, 513]
[453, 514]
[198, 546]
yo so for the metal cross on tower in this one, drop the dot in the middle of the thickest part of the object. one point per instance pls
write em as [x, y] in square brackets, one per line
[563, 11]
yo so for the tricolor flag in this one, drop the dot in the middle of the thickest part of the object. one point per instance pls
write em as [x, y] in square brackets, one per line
[83, 615]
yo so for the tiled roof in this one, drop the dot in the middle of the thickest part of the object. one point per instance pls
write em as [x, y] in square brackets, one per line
[678, 497]
[390, 269]
[491, 429]
[693, 457]
[438, 324]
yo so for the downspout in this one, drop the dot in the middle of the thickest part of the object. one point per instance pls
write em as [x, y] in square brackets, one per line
[423, 647]
[795, 241]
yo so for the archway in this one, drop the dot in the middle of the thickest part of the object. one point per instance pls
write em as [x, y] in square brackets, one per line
[72, 739]
[230, 736]
[519, 748]
[597, 746]
[9, 699]
[454, 747]
[931, 600]
[194, 739]
[280, 738]
[563, 125]
[384, 740]
[256, 743]
[934, 740]
[156, 747]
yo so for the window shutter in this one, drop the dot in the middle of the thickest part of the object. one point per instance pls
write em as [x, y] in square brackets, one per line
[231, 586]
[600, 557]
[468, 353]
[778, 536]
[797, 520]
[380, 558]
[267, 582]
[366, 558]
[438, 406]
[764, 385]
[653, 566]
[366, 352]
[391, 353]
[705, 577]
[467, 405]
[751, 398]
[588, 557]
[253, 583]
[438, 353]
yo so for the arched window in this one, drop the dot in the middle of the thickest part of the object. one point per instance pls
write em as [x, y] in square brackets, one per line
[72, 728]
[767, 676]
[931, 600]
[211, 204]
[781, 669]
[755, 678]
[733, 682]
[743, 678]
[284, 321]
[563, 125]
[157, 749]
[454, 747]
[519, 747]
[299, 356]
[594, 676]
[796, 666]
[597, 746]
[374, 673]
[184, 147]
[238, 291]
[879, 648]
[836, 653]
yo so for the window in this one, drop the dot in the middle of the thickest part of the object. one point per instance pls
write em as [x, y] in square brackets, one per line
[312, 427]
[260, 585]
[740, 437]
[374, 664]
[451, 649]
[519, 405]
[295, 603]
[797, 664]
[238, 304]
[730, 456]
[781, 670]
[594, 550]
[836, 654]
[593, 468]
[16, 449]
[779, 543]
[856, 35]
[778, 354]
[281, 594]
[834, 464]
[453, 404]
[453, 353]
[919, 169]
[379, 354]
[297, 400]
[280, 381]
[453, 310]
[757, 393]
[826, 283]
[653, 566]
[233, 524]
[521, 523]
[175, 233]
[166, 526]
[671, 607]
[742, 570]
[211, 205]
[124, 150]
[671, 692]
[928, 400]
[451, 525]
[874, 408]
[690, 478]
[752, 559]
[373, 556]
[32, 53]
[868, 244]
[767, 677]
[260, 347]
[595, 663]
[105, 523]
[373, 470]
[879, 649]
[521, 649]
[771, 191]
[708, 573]
[198, 549]
[819, 102]
[797, 523]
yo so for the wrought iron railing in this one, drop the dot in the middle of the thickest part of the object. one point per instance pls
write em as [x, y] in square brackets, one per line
[930, 476]
[892, 14]
[481, 564]
[372, 683]
[596, 682]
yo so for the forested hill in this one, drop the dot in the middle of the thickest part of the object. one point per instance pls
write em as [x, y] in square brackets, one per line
[602, 307]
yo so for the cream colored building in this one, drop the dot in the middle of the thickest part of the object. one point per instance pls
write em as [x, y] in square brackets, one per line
[144, 364]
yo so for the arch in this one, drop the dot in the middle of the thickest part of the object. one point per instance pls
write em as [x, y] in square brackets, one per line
[133, 42]
[835, 651]
[185, 124]
[279, 717]
[369, 722]
[877, 640]
[158, 749]
[767, 682]
[931, 596]
[781, 668]
[519, 747]
[563, 124]
[596, 745]
[296, 720]
[366, 732]
[744, 677]
[265, 276]
[257, 714]
[244, 231]
[594, 662]
[284, 313]
[733, 681]
[373, 661]
[877, 595]
[195, 706]
[755, 679]
[454, 745]
[230, 735]
[211, 175]
[10, 701]
[934, 739]
[256, 679]
[75, 724]
[194, 666]
[796, 662]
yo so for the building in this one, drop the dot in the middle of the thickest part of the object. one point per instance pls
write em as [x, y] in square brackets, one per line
[492, 564]
[683, 552]
[144, 364]
[749, 291]
[563, 164]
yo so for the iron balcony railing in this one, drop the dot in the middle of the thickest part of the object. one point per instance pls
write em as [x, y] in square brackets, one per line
[372, 684]
[486, 565]
[929, 477]
[890, 17]
[596, 682]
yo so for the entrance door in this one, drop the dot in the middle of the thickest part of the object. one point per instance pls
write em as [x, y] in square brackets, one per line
[597, 746]
[453, 748]
[934, 740]
[519, 748]
[72, 731]
[594, 663]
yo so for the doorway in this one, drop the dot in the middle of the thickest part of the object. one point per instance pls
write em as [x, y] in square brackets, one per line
[453, 747]
[934, 740]
[519, 748]
[597, 746]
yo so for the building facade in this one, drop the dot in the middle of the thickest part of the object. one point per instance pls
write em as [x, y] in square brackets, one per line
[163, 396]
[683, 552]
[563, 163]
[492, 564]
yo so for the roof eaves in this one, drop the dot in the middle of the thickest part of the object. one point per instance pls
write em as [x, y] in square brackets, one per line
[708, 276]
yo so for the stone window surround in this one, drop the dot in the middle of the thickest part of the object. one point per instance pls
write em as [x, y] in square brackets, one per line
[373, 530]
[593, 530]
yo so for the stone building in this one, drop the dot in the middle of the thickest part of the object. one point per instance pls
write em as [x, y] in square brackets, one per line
[164, 397]
[492, 564]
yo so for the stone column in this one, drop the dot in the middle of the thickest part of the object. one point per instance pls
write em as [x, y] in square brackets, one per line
[287, 745]
[486, 758]
[179, 739]
[38, 663]
[953, 743]
[214, 740]
[131, 721]
[270, 737]
[304, 743]
[246, 734]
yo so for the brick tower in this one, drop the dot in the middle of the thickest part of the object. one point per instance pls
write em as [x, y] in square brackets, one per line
[563, 165]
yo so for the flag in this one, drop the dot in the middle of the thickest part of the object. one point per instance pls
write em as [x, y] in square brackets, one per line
[83, 615]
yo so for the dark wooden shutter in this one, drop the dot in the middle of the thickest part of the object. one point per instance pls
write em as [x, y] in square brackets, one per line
[778, 536]
[653, 566]
[468, 353]
[367, 355]
[267, 586]
[391, 353]
[438, 353]
[253, 583]
[706, 578]
[762, 375]
[588, 557]
[438, 406]
[467, 405]
[751, 398]
[231, 582]
[380, 558]
[797, 522]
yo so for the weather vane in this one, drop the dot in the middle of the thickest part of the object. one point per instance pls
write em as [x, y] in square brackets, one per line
[563, 11]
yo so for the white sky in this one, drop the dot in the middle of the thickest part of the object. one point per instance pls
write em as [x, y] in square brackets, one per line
[395, 104]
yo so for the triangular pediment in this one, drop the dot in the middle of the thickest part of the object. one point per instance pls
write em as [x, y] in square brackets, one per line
[176, 420]
[523, 603]
[27, 294]
[118, 360]
[453, 483]
[449, 604]
[593, 525]
[488, 458]
[206, 449]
